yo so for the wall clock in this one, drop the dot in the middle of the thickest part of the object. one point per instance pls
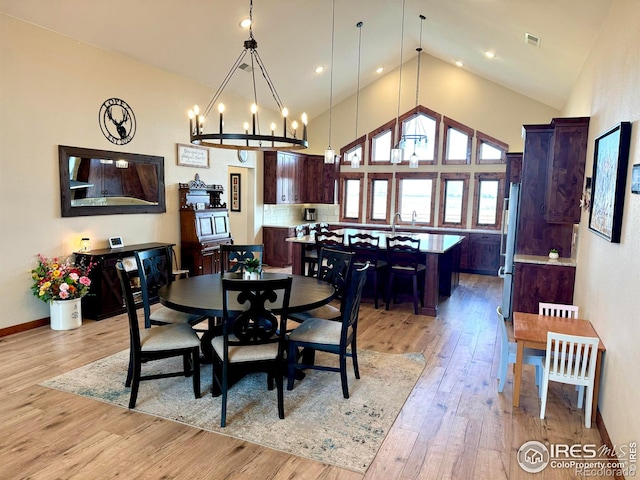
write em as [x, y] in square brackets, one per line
[117, 121]
[243, 155]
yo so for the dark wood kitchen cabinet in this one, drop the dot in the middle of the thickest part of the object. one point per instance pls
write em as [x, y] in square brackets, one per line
[535, 283]
[284, 178]
[277, 251]
[292, 178]
[552, 174]
[105, 294]
[480, 253]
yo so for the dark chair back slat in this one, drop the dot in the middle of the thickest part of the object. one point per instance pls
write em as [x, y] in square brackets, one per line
[234, 257]
[154, 271]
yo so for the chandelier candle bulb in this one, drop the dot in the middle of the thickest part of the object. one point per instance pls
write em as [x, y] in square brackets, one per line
[304, 123]
[294, 125]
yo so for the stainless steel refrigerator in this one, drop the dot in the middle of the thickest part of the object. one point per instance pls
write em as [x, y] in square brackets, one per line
[508, 246]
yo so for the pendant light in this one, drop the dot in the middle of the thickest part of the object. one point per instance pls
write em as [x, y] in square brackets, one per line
[396, 152]
[329, 153]
[355, 158]
[418, 137]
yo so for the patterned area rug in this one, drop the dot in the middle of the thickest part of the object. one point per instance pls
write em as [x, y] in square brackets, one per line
[319, 423]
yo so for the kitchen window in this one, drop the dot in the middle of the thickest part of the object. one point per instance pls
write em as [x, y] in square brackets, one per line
[350, 196]
[355, 147]
[414, 193]
[380, 142]
[454, 188]
[487, 201]
[490, 150]
[457, 143]
[424, 121]
[379, 197]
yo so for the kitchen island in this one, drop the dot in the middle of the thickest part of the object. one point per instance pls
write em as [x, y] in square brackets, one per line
[442, 259]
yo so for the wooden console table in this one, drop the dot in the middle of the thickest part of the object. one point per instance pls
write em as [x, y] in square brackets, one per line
[105, 294]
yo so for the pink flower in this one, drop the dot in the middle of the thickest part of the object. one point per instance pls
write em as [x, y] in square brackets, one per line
[64, 287]
[63, 294]
[74, 276]
[85, 281]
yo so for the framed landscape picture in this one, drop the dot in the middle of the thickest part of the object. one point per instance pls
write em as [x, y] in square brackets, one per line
[611, 158]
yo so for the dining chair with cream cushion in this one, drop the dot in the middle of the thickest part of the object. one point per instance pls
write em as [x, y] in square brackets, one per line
[570, 359]
[508, 349]
[233, 257]
[254, 336]
[156, 343]
[319, 334]
[155, 271]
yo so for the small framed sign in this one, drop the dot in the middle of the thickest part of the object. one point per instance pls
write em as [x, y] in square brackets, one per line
[635, 179]
[193, 156]
[116, 242]
[236, 205]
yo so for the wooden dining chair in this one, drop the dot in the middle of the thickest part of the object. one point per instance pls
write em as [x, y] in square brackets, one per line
[335, 269]
[254, 336]
[508, 349]
[570, 359]
[405, 261]
[558, 310]
[325, 239]
[156, 343]
[366, 248]
[319, 334]
[233, 257]
[155, 271]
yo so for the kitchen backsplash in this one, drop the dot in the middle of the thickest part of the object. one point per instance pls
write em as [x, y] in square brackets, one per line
[290, 215]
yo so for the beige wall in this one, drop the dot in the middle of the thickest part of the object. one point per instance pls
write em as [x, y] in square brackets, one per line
[608, 278]
[51, 88]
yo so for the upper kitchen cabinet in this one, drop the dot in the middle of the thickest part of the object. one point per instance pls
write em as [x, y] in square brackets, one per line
[286, 176]
[552, 174]
[565, 175]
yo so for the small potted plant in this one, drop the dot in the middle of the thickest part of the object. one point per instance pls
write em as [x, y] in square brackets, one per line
[252, 267]
[553, 254]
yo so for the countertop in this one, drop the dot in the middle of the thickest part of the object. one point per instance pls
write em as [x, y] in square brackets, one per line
[429, 242]
[545, 260]
[400, 227]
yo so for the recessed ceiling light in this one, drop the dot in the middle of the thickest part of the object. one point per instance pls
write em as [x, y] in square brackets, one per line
[244, 23]
[489, 54]
[459, 63]
[319, 69]
[379, 69]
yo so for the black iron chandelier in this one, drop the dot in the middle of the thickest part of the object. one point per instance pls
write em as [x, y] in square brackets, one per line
[252, 138]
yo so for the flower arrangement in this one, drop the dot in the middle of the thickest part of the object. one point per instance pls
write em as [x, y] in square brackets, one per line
[59, 279]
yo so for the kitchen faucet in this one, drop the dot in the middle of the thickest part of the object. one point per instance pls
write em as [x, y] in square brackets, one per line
[393, 223]
[414, 218]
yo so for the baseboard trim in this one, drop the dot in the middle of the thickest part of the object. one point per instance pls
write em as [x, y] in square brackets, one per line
[606, 439]
[23, 327]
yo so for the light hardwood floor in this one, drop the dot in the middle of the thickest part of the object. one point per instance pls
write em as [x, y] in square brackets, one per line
[453, 425]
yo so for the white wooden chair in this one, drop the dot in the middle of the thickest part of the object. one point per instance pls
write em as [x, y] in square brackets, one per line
[508, 355]
[564, 311]
[570, 359]
[558, 310]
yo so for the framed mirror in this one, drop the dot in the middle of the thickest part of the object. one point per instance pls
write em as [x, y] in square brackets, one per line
[100, 182]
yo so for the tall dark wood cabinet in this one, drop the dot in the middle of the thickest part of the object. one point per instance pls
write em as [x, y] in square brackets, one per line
[105, 294]
[204, 226]
[552, 176]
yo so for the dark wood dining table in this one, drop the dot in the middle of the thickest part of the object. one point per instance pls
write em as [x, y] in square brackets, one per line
[530, 331]
[202, 295]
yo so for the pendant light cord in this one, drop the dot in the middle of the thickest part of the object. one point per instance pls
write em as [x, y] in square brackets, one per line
[400, 75]
[359, 25]
[419, 50]
[333, 30]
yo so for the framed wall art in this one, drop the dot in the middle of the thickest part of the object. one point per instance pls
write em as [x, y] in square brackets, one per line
[234, 180]
[611, 158]
[193, 156]
[635, 179]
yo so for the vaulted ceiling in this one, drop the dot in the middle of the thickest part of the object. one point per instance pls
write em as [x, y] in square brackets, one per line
[201, 39]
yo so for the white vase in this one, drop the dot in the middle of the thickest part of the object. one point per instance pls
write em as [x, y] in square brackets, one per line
[254, 276]
[554, 255]
[65, 314]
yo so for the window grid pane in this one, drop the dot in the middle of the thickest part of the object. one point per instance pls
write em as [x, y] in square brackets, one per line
[488, 202]
[352, 198]
[379, 199]
[489, 152]
[416, 124]
[453, 201]
[382, 147]
[457, 143]
[349, 155]
[415, 195]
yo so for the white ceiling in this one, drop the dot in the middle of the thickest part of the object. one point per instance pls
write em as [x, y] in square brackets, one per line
[201, 39]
